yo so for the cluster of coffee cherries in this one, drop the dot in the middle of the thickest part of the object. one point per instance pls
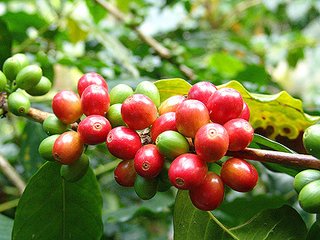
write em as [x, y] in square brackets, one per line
[19, 77]
[160, 145]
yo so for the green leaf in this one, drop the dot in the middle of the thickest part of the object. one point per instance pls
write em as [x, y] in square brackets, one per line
[6, 225]
[283, 113]
[51, 208]
[76, 33]
[96, 10]
[314, 231]
[171, 87]
[6, 42]
[191, 223]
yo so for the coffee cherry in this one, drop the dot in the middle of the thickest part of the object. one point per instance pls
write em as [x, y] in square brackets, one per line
[304, 177]
[148, 161]
[52, 125]
[240, 133]
[114, 115]
[209, 194]
[145, 188]
[138, 112]
[94, 129]
[90, 78]
[95, 100]
[170, 104]
[245, 113]
[211, 142]
[3, 81]
[224, 105]
[171, 144]
[163, 123]
[190, 116]
[239, 175]
[18, 104]
[66, 106]
[202, 91]
[123, 142]
[187, 171]
[164, 183]
[119, 93]
[28, 77]
[125, 174]
[76, 170]
[309, 197]
[68, 148]
[43, 87]
[150, 90]
[311, 140]
[46, 147]
[13, 65]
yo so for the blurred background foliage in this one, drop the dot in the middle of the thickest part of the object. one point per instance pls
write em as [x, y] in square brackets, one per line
[267, 45]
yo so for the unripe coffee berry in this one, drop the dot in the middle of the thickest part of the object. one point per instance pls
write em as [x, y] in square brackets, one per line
[43, 87]
[29, 77]
[46, 147]
[13, 65]
[75, 171]
[145, 188]
[150, 90]
[114, 115]
[18, 103]
[170, 104]
[52, 125]
[3, 81]
[119, 93]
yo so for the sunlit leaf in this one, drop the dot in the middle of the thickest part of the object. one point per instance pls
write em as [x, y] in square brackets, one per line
[76, 33]
[171, 87]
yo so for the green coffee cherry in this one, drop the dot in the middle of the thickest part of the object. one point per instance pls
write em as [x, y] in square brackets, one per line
[150, 90]
[18, 103]
[75, 171]
[52, 125]
[309, 197]
[164, 183]
[29, 77]
[3, 81]
[119, 93]
[46, 146]
[43, 87]
[304, 177]
[172, 144]
[13, 65]
[145, 188]
[311, 140]
[114, 115]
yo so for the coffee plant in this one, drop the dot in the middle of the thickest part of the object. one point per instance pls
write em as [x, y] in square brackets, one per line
[149, 136]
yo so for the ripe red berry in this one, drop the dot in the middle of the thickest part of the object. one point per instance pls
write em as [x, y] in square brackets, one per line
[123, 142]
[190, 116]
[202, 91]
[170, 104]
[224, 105]
[211, 142]
[209, 194]
[239, 175]
[124, 173]
[95, 100]
[245, 113]
[240, 133]
[67, 148]
[66, 106]
[91, 78]
[94, 129]
[163, 123]
[148, 161]
[138, 112]
[187, 171]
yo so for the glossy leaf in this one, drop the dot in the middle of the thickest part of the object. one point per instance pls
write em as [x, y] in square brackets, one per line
[51, 208]
[171, 87]
[6, 225]
[191, 223]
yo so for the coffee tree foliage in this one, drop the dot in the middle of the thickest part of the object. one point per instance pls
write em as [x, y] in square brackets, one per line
[265, 46]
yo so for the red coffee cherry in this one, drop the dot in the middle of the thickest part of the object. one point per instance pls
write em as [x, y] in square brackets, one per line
[163, 123]
[190, 116]
[123, 142]
[67, 148]
[66, 105]
[202, 91]
[95, 100]
[240, 133]
[211, 142]
[245, 113]
[125, 174]
[91, 78]
[148, 161]
[209, 194]
[138, 112]
[224, 105]
[170, 104]
[187, 171]
[94, 129]
[239, 175]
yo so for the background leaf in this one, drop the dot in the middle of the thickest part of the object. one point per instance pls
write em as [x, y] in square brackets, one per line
[171, 87]
[51, 208]
[6, 225]
[6, 42]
